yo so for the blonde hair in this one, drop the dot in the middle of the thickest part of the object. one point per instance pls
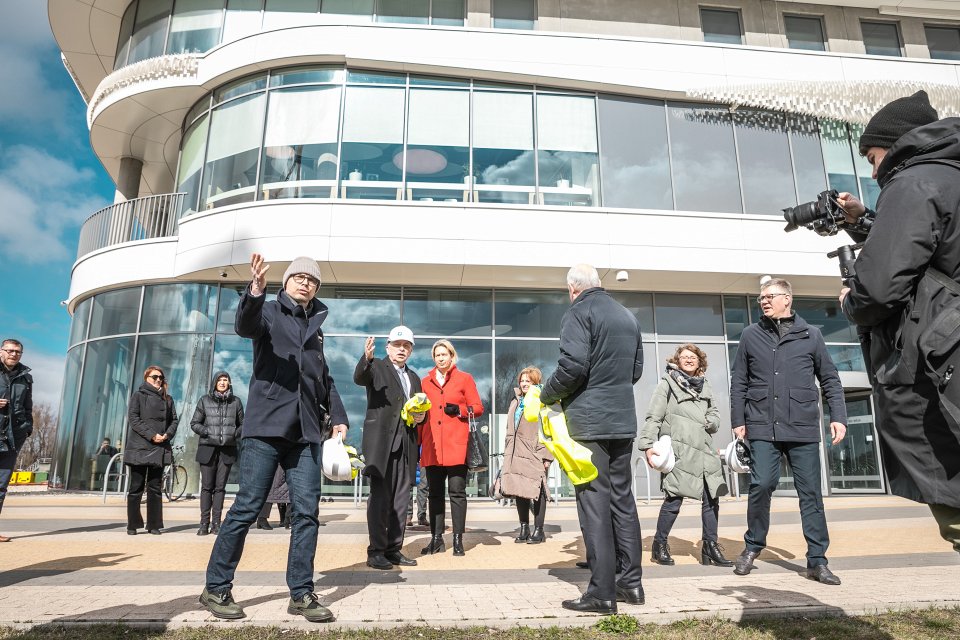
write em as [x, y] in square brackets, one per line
[777, 282]
[446, 344]
[535, 375]
[675, 358]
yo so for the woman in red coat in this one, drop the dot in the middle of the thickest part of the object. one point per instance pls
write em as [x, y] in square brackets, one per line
[453, 395]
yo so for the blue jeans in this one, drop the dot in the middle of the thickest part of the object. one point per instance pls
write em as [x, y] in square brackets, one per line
[258, 463]
[8, 459]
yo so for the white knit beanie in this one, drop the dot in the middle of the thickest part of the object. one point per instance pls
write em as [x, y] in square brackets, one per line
[303, 264]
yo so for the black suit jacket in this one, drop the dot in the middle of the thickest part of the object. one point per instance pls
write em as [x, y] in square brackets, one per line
[385, 399]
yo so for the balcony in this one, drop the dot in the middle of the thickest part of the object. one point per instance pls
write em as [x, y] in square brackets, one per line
[138, 219]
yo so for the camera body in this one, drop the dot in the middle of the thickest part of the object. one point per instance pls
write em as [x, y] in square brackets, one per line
[824, 215]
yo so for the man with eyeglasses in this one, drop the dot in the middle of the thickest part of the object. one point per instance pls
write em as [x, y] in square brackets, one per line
[291, 397]
[774, 405]
[16, 411]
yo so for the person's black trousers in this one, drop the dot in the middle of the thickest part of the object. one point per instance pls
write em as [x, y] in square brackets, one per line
[539, 508]
[804, 460]
[143, 476]
[438, 478]
[388, 504]
[609, 498]
[709, 512]
[213, 486]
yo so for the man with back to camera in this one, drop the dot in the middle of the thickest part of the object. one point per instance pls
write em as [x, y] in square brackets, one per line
[16, 411]
[905, 290]
[390, 445]
[774, 402]
[291, 391]
[601, 358]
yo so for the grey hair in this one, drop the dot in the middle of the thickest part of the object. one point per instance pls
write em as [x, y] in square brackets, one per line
[777, 282]
[583, 276]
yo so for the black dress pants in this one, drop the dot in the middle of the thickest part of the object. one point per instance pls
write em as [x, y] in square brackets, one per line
[213, 486]
[539, 508]
[670, 509]
[438, 477]
[388, 504]
[609, 498]
[143, 476]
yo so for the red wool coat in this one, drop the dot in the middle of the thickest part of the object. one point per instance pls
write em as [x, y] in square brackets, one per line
[444, 438]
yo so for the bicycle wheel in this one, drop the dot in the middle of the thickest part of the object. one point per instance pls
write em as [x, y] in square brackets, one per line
[165, 483]
[177, 483]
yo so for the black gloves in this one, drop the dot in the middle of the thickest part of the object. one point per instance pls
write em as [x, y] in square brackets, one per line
[452, 410]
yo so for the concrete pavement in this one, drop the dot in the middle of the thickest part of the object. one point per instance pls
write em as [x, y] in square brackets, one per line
[72, 562]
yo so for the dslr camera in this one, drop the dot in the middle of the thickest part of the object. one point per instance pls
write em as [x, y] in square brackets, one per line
[824, 215]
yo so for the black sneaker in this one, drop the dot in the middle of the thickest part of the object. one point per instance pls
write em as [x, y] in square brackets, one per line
[222, 605]
[310, 608]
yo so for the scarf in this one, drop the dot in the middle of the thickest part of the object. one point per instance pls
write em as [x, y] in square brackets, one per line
[691, 384]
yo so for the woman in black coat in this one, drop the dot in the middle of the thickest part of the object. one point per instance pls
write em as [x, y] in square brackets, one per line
[152, 422]
[217, 419]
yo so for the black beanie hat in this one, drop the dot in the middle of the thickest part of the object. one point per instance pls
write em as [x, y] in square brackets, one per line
[897, 118]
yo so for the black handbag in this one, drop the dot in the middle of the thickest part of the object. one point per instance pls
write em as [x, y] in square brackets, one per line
[478, 451]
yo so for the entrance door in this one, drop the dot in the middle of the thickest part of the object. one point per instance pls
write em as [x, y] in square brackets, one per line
[853, 466]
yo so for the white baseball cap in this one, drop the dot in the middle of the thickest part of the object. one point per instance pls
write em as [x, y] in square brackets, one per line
[401, 333]
[663, 457]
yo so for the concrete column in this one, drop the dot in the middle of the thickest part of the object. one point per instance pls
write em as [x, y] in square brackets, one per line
[128, 180]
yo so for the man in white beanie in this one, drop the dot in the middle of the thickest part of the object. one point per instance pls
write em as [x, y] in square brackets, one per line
[292, 407]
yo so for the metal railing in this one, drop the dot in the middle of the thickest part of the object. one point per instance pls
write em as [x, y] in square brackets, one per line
[137, 219]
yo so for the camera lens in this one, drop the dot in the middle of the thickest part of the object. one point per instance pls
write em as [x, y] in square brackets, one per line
[800, 215]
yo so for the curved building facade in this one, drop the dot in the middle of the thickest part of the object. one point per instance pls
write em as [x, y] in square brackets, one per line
[445, 162]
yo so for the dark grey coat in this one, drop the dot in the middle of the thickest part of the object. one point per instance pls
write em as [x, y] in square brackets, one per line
[773, 387]
[16, 421]
[601, 358]
[148, 414]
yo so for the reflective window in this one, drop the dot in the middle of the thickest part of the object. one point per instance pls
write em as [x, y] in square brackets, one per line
[736, 316]
[503, 160]
[825, 314]
[702, 157]
[126, 30]
[234, 354]
[195, 26]
[847, 357]
[567, 150]
[305, 75]
[65, 418]
[808, 169]
[869, 189]
[372, 151]
[447, 13]
[766, 172]
[115, 312]
[640, 305]
[149, 30]
[407, 11]
[838, 157]
[179, 307]
[239, 88]
[804, 32]
[514, 14]
[242, 19]
[438, 145]
[943, 42]
[227, 306]
[80, 322]
[688, 318]
[191, 162]
[348, 10]
[278, 14]
[447, 312]
[230, 173]
[636, 171]
[881, 38]
[363, 310]
[535, 314]
[721, 26]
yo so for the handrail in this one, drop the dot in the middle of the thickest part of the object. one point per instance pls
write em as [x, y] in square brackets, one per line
[641, 461]
[121, 475]
[137, 219]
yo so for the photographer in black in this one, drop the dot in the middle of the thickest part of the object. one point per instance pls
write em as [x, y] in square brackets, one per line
[905, 291]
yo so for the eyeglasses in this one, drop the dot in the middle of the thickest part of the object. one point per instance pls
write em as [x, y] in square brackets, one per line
[770, 297]
[13, 352]
[302, 278]
[155, 377]
[688, 358]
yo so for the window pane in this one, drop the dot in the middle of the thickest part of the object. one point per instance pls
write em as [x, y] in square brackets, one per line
[736, 316]
[230, 174]
[716, 375]
[765, 169]
[80, 322]
[242, 19]
[115, 312]
[372, 150]
[512, 357]
[503, 146]
[838, 156]
[634, 159]
[191, 161]
[869, 189]
[804, 33]
[126, 30]
[447, 312]
[408, 11]
[438, 141]
[808, 169]
[300, 144]
[348, 10]
[65, 420]
[721, 26]
[366, 311]
[238, 88]
[278, 14]
[944, 43]
[305, 75]
[881, 39]
[448, 13]
[640, 305]
[688, 318]
[567, 141]
[534, 314]
[149, 30]
[179, 307]
[195, 26]
[514, 14]
[825, 314]
[703, 159]
[847, 357]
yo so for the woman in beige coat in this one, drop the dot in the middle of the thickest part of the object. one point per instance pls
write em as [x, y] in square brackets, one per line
[525, 462]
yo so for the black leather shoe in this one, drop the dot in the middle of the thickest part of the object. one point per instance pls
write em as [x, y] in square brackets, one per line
[263, 524]
[630, 596]
[377, 561]
[422, 521]
[589, 604]
[583, 564]
[524, 533]
[204, 530]
[458, 544]
[661, 554]
[821, 573]
[215, 528]
[154, 532]
[400, 559]
[131, 532]
[436, 546]
[712, 553]
[744, 562]
[537, 536]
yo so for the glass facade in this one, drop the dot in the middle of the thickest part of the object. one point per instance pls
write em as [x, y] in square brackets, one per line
[188, 330]
[330, 132]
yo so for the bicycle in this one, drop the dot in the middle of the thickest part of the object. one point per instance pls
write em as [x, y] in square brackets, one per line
[174, 479]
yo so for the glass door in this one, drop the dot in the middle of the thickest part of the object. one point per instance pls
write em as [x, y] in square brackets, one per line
[853, 466]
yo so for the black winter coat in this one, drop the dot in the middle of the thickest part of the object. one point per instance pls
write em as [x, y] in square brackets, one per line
[773, 390]
[16, 421]
[385, 399]
[917, 225]
[291, 387]
[601, 358]
[218, 422]
[149, 414]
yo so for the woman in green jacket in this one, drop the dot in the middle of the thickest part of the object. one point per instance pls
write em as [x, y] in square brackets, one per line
[683, 408]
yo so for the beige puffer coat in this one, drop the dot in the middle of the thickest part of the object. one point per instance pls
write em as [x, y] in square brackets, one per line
[524, 456]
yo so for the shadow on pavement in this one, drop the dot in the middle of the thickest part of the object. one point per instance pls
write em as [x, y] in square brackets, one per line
[61, 566]
[155, 612]
[88, 529]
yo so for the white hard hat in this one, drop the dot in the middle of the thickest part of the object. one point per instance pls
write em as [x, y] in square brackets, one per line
[737, 456]
[401, 333]
[663, 457]
[335, 460]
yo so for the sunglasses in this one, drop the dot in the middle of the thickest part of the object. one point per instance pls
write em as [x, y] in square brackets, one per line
[155, 377]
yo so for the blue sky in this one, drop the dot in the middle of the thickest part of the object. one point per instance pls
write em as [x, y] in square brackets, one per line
[50, 182]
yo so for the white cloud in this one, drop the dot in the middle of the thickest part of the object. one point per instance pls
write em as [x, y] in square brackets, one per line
[47, 372]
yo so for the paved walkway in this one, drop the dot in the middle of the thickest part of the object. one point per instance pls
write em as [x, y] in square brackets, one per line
[71, 561]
